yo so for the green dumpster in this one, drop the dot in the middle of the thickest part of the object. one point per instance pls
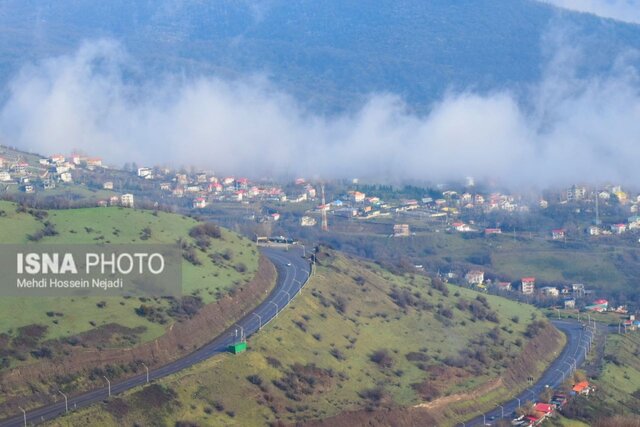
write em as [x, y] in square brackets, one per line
[238, 347]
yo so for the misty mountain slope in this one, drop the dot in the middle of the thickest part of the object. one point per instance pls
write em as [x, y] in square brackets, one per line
[331, 53]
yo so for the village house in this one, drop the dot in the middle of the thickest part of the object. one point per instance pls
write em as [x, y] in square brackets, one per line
[57, 159]
[578, 289]
[242, 183]
[474, 277]
[48, 184]
[634, 222]
[542, 412]
[298, 198]
[489, 231]
[558, 234]
[401, 230]
[594, 230]
[20, 168]
[550, 291]
[199, 203]
[357, 196]
[528, 285]
[569, 303]
[146, 173]
[178, 191]
[94, 162]
[5, 176]
[583, 388]
[76, 159]
[108, 185]
[599, 306]
[126, 200]
[618, 228]
[504, 286]
[461, 227]
[576, 193]
[215, 187]
[311, 192]
[66, 177]
[308, 221]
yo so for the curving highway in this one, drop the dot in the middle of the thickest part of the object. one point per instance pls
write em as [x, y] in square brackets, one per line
[579, 338]
[293, 272]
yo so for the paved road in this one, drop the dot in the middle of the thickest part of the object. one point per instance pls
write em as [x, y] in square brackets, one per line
[293, 272]
[572, 356]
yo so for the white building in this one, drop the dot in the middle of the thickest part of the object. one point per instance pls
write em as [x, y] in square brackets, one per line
[126, 200]
[146, 173]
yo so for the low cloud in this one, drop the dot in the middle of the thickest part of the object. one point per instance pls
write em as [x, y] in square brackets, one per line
[568, 129]
[621, 10]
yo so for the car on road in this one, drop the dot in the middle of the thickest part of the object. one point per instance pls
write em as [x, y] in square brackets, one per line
[288, 264]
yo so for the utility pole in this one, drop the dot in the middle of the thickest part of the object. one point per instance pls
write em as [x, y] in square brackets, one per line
[147, 369]
[24, 415]
[108, 384]
[276, 308]
[66, 401]
[259, 320]
[241, 332]
[325, 224]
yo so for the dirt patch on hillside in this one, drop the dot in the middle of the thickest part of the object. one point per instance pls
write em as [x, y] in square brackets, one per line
[442, 402]
[180, 339]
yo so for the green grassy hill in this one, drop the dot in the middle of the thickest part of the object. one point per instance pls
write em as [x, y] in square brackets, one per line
[616, 401]
[228, 262]
[358, 341]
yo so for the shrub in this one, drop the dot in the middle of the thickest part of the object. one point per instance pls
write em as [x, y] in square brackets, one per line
[382, 358]
[255, 379]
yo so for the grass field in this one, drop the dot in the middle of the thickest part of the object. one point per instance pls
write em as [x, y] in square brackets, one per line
[117, 225]
[319, 358]
[620, 378]
[616, 399]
